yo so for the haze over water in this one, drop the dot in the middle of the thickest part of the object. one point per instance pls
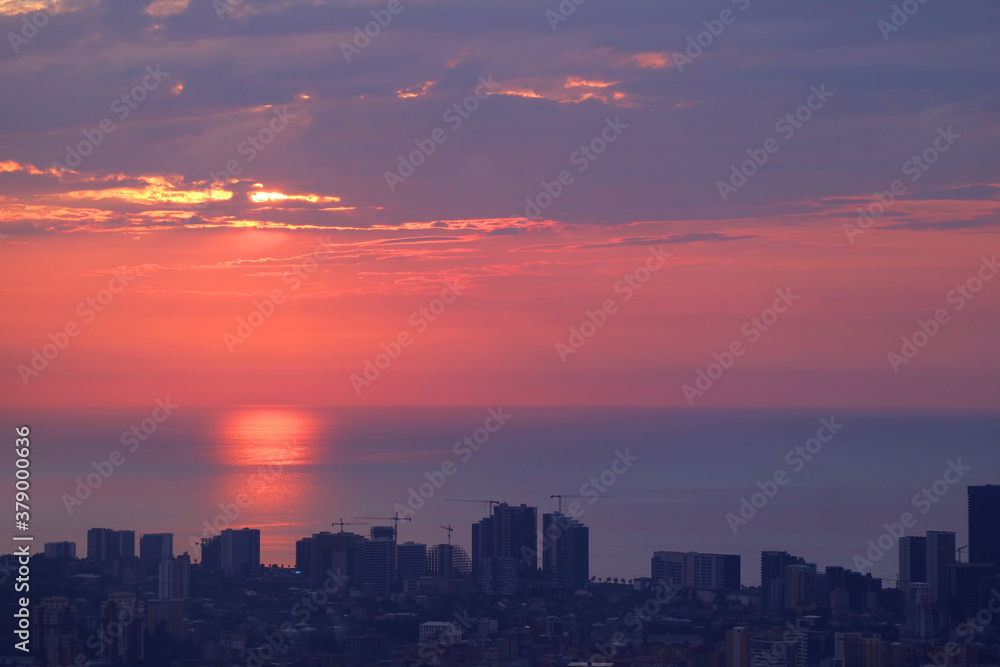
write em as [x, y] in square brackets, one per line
[693, 469]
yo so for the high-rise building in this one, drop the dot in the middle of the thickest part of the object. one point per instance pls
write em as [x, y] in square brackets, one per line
[232, 551]
[696, 570]
[449, 561]
[805, 587]
[940, 554]
[327, 552]
[912, 561]
[411, 560]
[56, 637]
[165, 614]
[64, 550]
[510, 536]
[175, 578]
[738, 647]
[155, 547]
[105, 544]
[772, 576]
[122, 625]
[984, 524]
[968, 586]
[848, 647]
[377, 558]
[919, 619]
[565, 551]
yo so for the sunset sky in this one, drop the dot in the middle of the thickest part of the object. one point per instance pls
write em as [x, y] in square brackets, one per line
[310, 226]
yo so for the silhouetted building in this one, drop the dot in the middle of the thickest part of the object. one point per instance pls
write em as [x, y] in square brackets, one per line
[940, 554]
[772, 576]
[506, 539]
[105, 544]
[805, 587]
[366, 649]
[63, 550]
[166, 614]
[377, 558]
[968, 587]
[448, 561]
[154, 547]
[696, 570]
[56, 636]
[327, 552]
[122, 628]
[232, 552]
[984, 524]
[411, 560]
[565, 551]
[912, 561]
[738, 647]
[918, 610]
[175, 578]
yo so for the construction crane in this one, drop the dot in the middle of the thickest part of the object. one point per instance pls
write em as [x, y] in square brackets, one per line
[560, 496]
[491, 503]
[395, 522]
[449, 529]
[343, 523]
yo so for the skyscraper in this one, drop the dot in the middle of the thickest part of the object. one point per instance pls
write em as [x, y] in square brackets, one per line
[377, 558]
[984, 524]
[411, 560]
[912, 561]
[156, 546]
[565, 551]
[504, 545]
[940, 554]
[738, 647]
[105, 544]
[60, 550]
[232, 551]
[772, 576]
[175, 578]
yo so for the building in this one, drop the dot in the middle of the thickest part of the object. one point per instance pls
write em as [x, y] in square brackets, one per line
[411, 560]
[154, 547]
[779, 649]
[848, 647]
[377, 559]
[440, 632]
[508, 537]
[772, 576]
[738, 647]
[326, 552]
[175, 579]
[940, 554]
[448, 561]
[165, 614]
[105, 544]
[565, 551]
[65, 550]
[805, 587]
[366, 649]
[56, 634]
[919, 619]
[123, 627]
[696, 570]
[984, 524]
[969, 587]
[912, 561]
[232, 552]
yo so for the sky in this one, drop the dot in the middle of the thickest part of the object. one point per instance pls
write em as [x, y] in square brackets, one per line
[501, 202]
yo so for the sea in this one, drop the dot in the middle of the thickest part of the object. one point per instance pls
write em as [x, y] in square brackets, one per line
[825, 486]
